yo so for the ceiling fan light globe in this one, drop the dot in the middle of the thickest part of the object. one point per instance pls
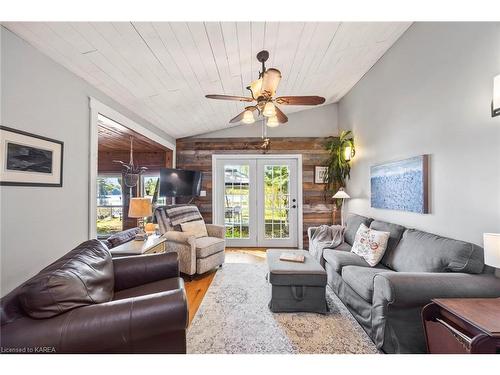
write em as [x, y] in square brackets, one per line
[269, 110]
[272, 122]
[248, 117]
[256, 88]
[270, 81]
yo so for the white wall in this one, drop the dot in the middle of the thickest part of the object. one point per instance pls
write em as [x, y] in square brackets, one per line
[431, 94]
[314, 122]
[39, 224]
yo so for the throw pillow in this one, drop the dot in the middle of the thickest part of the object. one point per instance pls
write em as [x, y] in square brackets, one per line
[195, 228]
[370, 244]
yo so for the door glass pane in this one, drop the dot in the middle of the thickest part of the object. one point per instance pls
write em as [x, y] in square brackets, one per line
[236, 201]
[276, 201]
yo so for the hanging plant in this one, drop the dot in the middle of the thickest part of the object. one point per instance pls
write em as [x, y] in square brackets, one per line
[341, 150]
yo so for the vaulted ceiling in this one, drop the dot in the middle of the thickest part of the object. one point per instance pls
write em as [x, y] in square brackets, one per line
[162, 70]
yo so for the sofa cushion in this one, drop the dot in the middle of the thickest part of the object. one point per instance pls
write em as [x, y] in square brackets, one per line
[338, 259]
[122, 237]
[196, 228]
[426, 252]
[360, 279]
[353, 222]
[82, 277]
[206, 246]
[395, 233]
[344, 246]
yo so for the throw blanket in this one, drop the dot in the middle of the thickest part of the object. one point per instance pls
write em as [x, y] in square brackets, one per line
[325, 237]
[179, 214]
[163, 221]
[171, 217]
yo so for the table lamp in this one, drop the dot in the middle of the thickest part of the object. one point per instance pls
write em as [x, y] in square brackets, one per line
[492, 251]
[341, 194]
[140, 208]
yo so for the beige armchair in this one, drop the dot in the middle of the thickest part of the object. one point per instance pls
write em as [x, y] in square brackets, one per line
[198, 255]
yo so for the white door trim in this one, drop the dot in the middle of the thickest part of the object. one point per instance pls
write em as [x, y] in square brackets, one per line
[96, 108]
[298, 157]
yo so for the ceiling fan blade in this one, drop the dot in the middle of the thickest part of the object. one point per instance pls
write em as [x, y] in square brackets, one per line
[280, 115]
[300, 100]
[239, 117]
[229, 97]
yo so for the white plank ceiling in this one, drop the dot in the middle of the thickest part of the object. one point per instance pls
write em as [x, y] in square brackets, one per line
[162, 70]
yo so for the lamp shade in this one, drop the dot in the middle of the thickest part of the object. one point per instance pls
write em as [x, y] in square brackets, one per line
[341, 194]
[269, 110]
[271, 81]
[492, 249]
[256, 88]
[139, 207]
[272, 122]
[248, 117]
[347, 153]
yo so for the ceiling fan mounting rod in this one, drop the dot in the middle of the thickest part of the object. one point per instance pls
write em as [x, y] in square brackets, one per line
[262, 56]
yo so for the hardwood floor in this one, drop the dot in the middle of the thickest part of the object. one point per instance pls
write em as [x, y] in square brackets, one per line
[197, 288]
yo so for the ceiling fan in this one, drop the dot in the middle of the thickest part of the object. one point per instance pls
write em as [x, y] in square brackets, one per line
[263, 91]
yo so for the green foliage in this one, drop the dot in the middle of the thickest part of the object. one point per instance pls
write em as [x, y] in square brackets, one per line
[107, 187]
[150, 185]
[339, 169]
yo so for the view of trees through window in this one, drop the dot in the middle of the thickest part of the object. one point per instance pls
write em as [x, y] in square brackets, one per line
[149, 185]
[276, 201]
[109, 205]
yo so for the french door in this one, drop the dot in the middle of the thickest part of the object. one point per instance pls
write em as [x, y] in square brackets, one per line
[256, 200]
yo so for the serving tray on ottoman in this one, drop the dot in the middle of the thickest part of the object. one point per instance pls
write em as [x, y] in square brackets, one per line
[296, 286]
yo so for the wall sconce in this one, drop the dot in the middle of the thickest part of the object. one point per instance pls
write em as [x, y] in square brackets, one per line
[495, 103]
[349, 152]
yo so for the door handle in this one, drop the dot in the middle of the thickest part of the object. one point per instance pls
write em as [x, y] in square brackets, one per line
[294, 206]
[294, 200]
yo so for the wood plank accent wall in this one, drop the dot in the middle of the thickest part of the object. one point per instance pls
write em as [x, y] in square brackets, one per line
[196, 154]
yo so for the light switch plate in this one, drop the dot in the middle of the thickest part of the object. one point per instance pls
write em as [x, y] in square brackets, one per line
[203, 193]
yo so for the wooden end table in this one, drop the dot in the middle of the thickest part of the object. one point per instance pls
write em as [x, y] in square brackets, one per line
[154, 244]
[462, 325]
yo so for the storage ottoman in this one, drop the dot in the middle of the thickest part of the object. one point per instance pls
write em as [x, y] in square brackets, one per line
[296, 286]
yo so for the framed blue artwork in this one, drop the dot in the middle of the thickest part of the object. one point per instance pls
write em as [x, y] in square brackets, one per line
[401, 185]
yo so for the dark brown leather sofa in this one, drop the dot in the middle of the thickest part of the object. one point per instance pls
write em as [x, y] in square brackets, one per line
[87, 302]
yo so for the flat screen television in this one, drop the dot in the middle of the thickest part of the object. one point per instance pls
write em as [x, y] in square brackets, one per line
[179, 183]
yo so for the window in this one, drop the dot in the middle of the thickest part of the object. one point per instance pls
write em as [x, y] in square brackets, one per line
[149, 183]
[109, 205]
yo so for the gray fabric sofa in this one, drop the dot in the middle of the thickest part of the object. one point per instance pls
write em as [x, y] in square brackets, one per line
[417, 266]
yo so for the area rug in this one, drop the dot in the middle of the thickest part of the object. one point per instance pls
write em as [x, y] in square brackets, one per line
[234, 318]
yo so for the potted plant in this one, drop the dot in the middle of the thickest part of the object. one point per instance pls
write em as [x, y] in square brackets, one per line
[341, 151]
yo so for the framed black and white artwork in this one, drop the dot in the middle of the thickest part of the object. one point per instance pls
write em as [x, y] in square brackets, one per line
[30, 160]
[320, 174]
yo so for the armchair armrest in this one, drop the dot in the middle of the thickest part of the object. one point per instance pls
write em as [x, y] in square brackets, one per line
[215, 230]
[115, 326]
[137, 270]
[417, 289]
[181, 237]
